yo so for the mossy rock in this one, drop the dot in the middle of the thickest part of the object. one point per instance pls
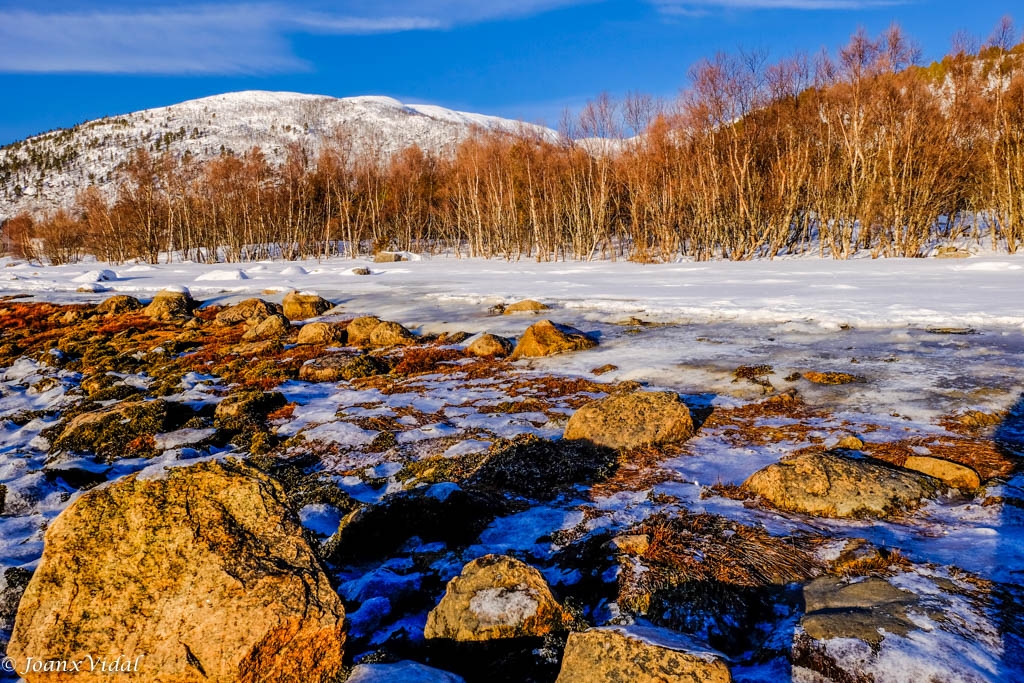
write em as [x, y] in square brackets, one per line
[341, 367]
[247, 409]
[120, 431]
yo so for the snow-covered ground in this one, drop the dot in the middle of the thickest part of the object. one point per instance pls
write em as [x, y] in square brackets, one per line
[902, 325]
[816, 293]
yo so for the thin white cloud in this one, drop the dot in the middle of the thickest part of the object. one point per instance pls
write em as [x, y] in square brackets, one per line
[702, 7]
[217, 39]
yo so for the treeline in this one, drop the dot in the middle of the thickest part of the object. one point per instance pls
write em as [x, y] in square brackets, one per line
[859, 151]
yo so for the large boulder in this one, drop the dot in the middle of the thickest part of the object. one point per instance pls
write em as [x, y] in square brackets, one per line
[490, 346]
[251, 312]
[640, 418]
[274, 326]
[200, 574]
[388, 334]
[639, 654]
[119, 304]
[339, 367]
[833, 485]
[525, 306]
[321, 334]
[359, 330]
[304, 305]
[171, 304]
[496, 597]
[546, 338]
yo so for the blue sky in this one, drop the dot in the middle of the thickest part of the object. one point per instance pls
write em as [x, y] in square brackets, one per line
[66, 61]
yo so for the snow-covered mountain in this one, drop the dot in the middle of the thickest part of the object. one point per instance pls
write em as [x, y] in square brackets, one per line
[45, 171]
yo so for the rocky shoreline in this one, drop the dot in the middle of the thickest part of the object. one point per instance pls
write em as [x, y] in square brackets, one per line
[276, 491]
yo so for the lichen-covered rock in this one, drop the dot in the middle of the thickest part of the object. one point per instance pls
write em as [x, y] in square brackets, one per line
[304, 305]
[949, 473]
[119, 431]
[339, 367]
[251, 312]
[119, 304]
[202, 574]
[246, 409]
[322, 334]
[831, 485]
[171, 304]
[640, 418]
[496, 597]
[359, 330]
[388, 334]
[526, 306]
[832, 378]
[639, 654]
[546, 338]
[490, 346]
[273, 326]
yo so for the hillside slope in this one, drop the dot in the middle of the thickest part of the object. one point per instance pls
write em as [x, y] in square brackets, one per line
[45, 171]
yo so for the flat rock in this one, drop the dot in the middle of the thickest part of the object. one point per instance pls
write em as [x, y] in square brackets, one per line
[202, 572]
[639, 654]
[639, 418]
[496, 597]
[546, 338]
[950, 473]
[832, 485]
[839, 608]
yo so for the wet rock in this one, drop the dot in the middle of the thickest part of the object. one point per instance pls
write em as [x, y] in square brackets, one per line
[168, 569]
[389, 334]
[496, 597]
[247, 409]
[387, 257]
[123, 430]
[639, 654]
[949, 473]
[401, 672]
[274, 326]
[525, 306]
[546, 338]
[831, 485]
[323, 334]
[251, 312]
[831, 378]
[839, 608]
[359, 329]
[119, 304]
[604, 369]
[304, 305]
[490, 345]
[637, 419]
[340, 367]
[171, 304]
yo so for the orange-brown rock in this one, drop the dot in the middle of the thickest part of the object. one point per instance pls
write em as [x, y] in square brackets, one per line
[251, 312]
[202, 573]
[525, 306]
[490, 345]
[304, 305]
[546, 338]
[323, 334]
[639, 418]
[359, 330]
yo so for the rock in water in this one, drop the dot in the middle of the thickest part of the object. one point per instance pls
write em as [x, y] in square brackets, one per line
[171, 304]
[303, 305]
[637, 419]
[639, 654]
[496, 597]
[525, 306]
[490, 345]
[831, 485]
[117, 305]
[251, 312]
[204, 573]
[546, 338]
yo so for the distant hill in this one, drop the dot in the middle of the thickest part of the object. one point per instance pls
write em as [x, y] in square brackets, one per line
[45, 171]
